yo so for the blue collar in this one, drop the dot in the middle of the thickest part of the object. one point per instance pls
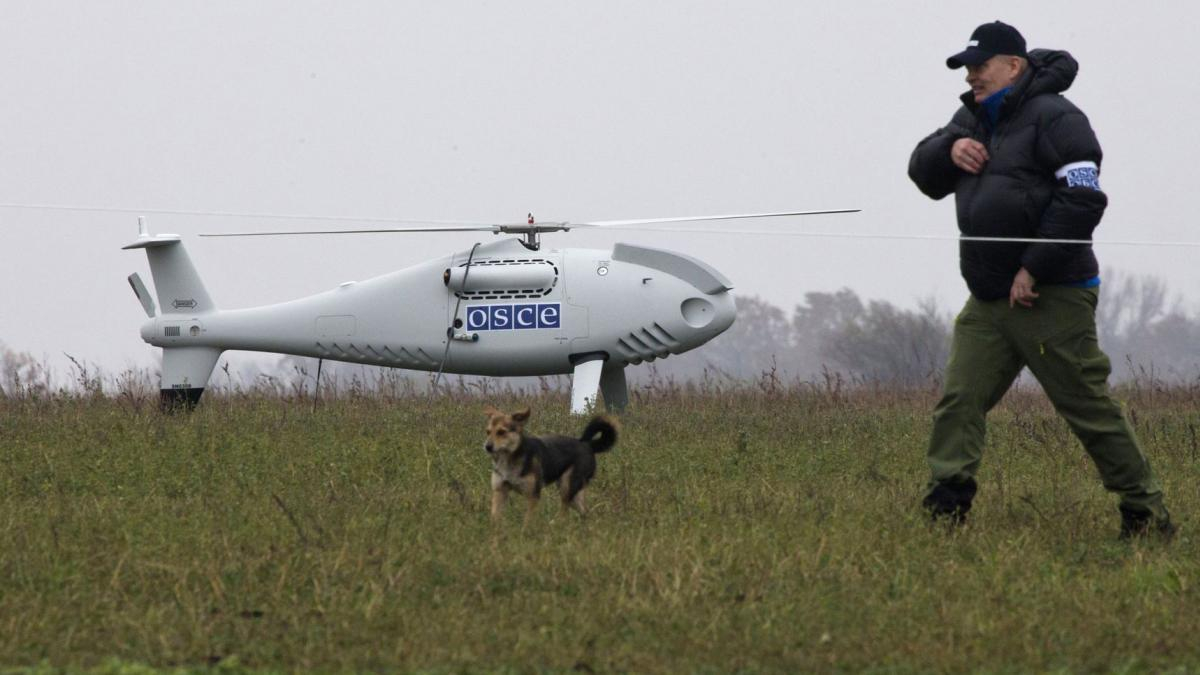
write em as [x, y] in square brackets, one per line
[991, 106]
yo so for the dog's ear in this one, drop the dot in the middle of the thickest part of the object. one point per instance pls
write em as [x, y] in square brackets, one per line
[490, 411]
[521, 416]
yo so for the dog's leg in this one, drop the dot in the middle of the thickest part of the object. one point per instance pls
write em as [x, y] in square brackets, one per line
[571, 487]
[532, 491]
[531, 507]
[499, 496]
[577, 503]
[498, 499]
[566, 491]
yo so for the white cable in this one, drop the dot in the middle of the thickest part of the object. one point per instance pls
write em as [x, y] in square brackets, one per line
[616, 225]
[236, 214]
[918, 237]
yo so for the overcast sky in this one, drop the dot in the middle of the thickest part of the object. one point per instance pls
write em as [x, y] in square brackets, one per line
[572, 110]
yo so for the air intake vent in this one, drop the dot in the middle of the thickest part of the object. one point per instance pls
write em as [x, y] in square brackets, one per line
[649, 343]
[504, 279]
[171, 331]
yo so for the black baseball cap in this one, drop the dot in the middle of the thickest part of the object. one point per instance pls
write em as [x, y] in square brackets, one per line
[987, 41]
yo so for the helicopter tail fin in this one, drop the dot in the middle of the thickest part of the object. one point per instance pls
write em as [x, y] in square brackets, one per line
[176, 282]
[185, 372]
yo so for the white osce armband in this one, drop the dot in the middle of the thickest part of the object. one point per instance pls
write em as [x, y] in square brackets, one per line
[1080, 174]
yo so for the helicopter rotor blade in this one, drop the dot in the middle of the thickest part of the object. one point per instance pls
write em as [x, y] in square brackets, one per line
[519, 227]
[615, 224]
[386, 230]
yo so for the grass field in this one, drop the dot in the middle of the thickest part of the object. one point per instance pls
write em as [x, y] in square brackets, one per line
[769, 529]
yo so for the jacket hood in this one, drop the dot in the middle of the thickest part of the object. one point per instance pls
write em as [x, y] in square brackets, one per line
[1052, 72]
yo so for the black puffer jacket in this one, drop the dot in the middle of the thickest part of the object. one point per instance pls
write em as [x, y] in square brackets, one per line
[1017, 194]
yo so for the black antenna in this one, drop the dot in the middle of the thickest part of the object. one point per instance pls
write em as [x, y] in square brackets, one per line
[317, 390]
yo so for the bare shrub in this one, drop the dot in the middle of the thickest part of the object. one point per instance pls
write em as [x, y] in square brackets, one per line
[21, 375]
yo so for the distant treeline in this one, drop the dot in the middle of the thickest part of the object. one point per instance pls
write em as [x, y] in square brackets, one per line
[831, 337]
[1147, 334]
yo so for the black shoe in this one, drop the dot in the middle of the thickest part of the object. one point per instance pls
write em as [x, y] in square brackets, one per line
[950, 502]
[1142, 524]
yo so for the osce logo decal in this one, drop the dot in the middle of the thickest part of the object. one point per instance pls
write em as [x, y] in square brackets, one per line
[513, 317]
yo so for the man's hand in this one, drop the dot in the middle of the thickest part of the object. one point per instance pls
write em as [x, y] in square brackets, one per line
[969, 155]
[1022, 289]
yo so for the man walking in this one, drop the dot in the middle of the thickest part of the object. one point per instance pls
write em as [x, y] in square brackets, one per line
[1023, 162]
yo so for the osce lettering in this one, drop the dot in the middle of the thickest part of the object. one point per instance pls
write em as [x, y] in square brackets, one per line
[514, 317]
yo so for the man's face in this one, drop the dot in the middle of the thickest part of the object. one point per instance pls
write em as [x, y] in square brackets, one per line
[992, 75]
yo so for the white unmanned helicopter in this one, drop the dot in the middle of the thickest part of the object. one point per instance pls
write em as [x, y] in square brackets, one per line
[506, 308]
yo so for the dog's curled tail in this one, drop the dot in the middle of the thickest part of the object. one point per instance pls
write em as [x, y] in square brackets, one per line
[600, 433]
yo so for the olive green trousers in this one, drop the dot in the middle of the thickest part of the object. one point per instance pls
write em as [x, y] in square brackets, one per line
[1056, 339]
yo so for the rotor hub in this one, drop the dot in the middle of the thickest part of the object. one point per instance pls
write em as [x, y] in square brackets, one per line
[531, 231]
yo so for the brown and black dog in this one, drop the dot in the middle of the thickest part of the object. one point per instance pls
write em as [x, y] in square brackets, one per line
[526, 463]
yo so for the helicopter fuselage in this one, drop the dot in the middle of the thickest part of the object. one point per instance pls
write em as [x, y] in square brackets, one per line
[510, 311]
